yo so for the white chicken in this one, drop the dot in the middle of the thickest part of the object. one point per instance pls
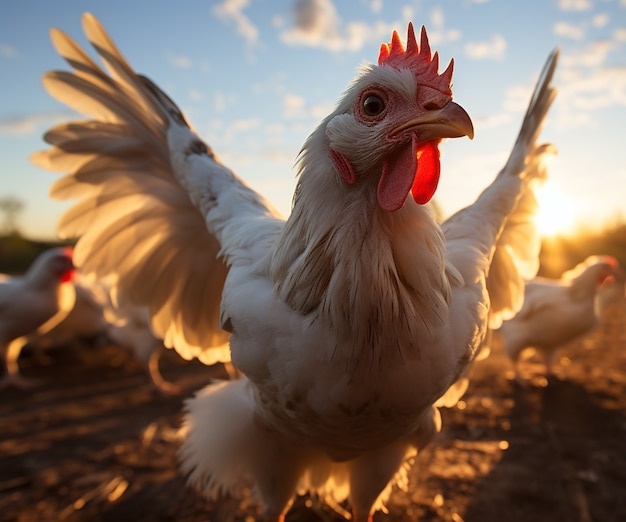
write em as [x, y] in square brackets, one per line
[557, 311]
[349, 319]
[34, 302]
[128, 326]
[95, 318]
[85, 321]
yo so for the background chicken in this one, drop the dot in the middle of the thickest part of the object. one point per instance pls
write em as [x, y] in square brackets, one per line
[84, 322]
[34, 302]
[97, 318]
[349, 319]
[558, 311]
[128, 326]
[89, 316]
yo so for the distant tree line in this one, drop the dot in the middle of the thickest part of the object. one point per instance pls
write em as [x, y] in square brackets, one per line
[17, 253]
[561, 253]
[558, 254]
[10, 208]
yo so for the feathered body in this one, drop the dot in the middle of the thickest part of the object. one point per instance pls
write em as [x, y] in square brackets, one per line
[557, 311]
[34, 302]
[350, 319]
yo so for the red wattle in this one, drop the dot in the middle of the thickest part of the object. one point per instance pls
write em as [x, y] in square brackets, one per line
[427, 173]
[397, 176]
[411, 167]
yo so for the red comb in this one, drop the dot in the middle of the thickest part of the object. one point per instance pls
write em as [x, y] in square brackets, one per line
[68, 275]
[610, 260]
[418, 59]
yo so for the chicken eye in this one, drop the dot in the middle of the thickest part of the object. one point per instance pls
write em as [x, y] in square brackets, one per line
[373, 105]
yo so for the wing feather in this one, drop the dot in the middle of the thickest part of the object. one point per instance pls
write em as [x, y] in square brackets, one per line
[115, 62]
[516, 257]
[108, 138]
[58, 161]
[74, 55]
[136, 223]
[510, 249]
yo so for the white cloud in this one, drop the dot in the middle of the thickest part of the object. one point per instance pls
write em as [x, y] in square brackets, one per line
[223, 101]
[317, 24]
[517, 97]
[587, 84]
[493, 49]
[24, 125]
[593, 55]
[233, 10]
[620, 34]
[600, 20]
[575, 5]
[196, 95]
[234, 130]
[178, 61]
[437, 17]
[319, 112]
[438, 34]
[293, 105]
[408, 13]
[492, 121]
[7, 51]
[275, 128]
[376, 6]
[586, 90]
[245, 125]
[568, 30]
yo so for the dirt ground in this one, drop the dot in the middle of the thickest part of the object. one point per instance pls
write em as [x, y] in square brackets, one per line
[94, 443]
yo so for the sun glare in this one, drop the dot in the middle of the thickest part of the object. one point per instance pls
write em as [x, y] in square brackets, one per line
[557, 213]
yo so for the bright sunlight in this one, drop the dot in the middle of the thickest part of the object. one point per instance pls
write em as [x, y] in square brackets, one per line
[557, 213]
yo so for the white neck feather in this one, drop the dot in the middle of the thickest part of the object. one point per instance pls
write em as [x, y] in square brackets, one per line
[377, 279]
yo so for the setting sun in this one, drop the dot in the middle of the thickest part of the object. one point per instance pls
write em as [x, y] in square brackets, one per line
[557, 212]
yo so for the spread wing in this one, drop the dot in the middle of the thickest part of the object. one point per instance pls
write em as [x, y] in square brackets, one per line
[495, 238]
[139, 214]
[509, 252]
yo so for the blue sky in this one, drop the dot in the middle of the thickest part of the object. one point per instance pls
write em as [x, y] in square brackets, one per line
[256, 76]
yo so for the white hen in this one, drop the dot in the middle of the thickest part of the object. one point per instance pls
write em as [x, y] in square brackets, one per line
[557, 311]
[85, 321]
[128, 326]
[350, 318]
[34, 302]
[95, 318]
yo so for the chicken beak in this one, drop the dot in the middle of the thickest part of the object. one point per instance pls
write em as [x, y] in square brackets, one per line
[451, 121]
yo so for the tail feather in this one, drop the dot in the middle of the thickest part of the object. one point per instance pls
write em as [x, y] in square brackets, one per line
[540, 102]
